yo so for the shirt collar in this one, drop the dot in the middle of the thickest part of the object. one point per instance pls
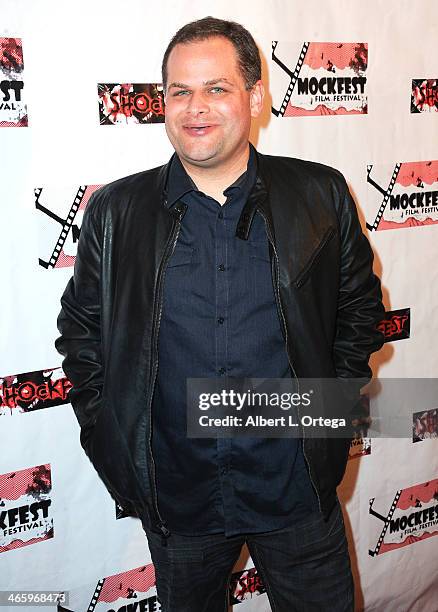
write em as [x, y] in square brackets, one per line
[180, 183]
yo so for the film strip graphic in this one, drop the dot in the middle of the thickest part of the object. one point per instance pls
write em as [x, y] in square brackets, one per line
[386, 520]
[386, 194]
[66, 224]
[95, 597]
[293, 75]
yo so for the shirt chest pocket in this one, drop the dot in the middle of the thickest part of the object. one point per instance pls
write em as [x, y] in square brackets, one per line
[259, 249]
[183, 255]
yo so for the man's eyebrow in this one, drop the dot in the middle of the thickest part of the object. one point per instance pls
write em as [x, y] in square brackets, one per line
[180, 85]
[219, 80]
[207, 83]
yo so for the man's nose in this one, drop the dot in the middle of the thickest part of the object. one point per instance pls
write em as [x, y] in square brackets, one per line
[198, 103]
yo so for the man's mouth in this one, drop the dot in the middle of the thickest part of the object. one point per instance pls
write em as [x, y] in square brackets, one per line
[199, 130]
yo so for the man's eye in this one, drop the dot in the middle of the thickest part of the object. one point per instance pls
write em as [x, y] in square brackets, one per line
[217, 89]
[182, 92]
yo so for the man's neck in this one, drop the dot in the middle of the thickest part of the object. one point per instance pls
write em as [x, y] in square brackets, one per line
[214, 181]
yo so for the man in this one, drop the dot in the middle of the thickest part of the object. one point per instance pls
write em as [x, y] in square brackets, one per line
[224, 262]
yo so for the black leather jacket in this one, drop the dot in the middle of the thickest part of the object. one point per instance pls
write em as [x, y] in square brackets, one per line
[328, 297]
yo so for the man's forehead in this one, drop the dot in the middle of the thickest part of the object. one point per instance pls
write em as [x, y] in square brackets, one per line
[204, 45]
[204, 61]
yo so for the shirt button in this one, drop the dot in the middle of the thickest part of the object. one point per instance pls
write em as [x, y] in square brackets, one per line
[220, 320]
[222, 371]
[221, 268]
[221, 215]
[224, 471]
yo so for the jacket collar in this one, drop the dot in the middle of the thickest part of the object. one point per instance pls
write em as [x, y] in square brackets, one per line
[257, 200]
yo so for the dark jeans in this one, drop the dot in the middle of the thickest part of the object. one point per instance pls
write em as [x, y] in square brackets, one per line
[304, 568]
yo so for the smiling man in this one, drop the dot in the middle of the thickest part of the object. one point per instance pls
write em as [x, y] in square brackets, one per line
[222, 263]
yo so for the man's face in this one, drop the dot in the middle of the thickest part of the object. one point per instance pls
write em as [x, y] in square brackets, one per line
[208, 109]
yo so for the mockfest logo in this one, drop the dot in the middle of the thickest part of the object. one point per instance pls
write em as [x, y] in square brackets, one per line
[317, 78]
[130, 103]
[396, 325]
[25, 507]
[424, 97]
[425, 425]
[60, 212]
[404, 195]
[32, 391]
[13, 110]
[412, 516]
[130, 591]
[245, 585]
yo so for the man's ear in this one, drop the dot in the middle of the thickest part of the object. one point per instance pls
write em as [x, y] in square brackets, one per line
[257, 94]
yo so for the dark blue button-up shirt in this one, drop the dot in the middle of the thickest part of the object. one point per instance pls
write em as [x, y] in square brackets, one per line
[220, 317]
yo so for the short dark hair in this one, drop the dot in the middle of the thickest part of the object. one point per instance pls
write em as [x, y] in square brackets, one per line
[209, 27]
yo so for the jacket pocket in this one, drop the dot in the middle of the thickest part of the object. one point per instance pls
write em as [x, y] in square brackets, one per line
[313, 259]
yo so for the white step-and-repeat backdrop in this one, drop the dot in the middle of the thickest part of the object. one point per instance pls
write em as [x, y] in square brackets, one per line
[352, 85]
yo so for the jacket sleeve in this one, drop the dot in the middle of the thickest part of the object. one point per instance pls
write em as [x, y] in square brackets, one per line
[360, 306]
[79, 326]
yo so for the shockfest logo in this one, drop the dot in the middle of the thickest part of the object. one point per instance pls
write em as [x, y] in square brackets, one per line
[411, 516]
[130, 103]
[317, 78]
[245, 585]
[32, 391]
[425, 425]
[60, 211]
[130, 591]
[424, 97]
[25, 507]
[13, 110]
[396, 325]
[403, 195]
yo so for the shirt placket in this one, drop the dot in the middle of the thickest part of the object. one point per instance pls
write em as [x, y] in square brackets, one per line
[224, 445]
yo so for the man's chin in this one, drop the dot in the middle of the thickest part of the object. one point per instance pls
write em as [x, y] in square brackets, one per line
[202, 159]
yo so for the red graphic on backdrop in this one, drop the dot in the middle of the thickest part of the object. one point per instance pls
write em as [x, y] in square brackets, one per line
[425, 425]
[424, 98]
[396, 325]
[60, 212]
[412, 516]
[410, 194]
[130, 103]
[13, 110]
[245, 585]
[33, 391]
[25, 507]
[318, 78]
[124, 590]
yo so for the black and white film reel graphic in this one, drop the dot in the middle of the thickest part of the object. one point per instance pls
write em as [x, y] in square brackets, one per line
[386, 194]
[386, 521]
[293, 75]
[95, 597]
[66, 224]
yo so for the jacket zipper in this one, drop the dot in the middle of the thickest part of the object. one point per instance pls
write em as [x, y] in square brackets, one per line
[280, 308]
[165, 533]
